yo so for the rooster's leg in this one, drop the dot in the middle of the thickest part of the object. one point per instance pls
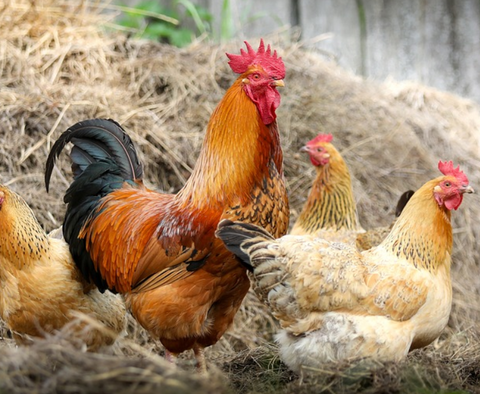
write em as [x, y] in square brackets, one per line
[171, 357]
[200, 356]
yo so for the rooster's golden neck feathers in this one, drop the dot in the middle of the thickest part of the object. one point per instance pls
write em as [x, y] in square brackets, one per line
[236, 154]
[242, 142]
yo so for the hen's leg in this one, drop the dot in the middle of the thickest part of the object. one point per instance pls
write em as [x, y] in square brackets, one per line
[200, 356]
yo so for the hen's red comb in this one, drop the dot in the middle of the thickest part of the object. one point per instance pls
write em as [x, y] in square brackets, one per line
[271, 63]
[446, 168]
[320, 138]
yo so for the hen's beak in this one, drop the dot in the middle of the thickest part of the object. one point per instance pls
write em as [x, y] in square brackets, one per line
[279, 83]
[304, 148]
[467, 189]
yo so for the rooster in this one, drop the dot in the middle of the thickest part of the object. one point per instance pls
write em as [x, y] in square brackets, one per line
[160, 250]
[335, 303]
[330, 211]
[41, 288]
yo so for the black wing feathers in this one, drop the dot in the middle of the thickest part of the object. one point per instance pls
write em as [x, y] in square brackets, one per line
[238, 237]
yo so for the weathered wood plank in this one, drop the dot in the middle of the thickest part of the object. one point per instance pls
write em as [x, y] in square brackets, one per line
[339, 17]
[435, 42]
[251, 18]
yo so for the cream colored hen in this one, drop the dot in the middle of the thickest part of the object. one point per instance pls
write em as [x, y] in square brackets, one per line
[336, 303]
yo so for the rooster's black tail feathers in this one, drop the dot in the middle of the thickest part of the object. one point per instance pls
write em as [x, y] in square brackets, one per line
[97, 140]
[103, 158]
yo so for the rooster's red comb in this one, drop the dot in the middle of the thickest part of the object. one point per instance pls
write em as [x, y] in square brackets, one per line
[320, 138]
[446, 168]
[271, 63]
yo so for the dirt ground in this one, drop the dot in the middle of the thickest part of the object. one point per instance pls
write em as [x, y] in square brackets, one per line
[61, 62]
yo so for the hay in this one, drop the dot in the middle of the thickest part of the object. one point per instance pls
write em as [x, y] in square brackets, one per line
[51, 365]
[58, 66]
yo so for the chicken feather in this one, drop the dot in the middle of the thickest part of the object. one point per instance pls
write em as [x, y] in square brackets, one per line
[336, 303]
[180, 282]
[41, 288]
[330, 211]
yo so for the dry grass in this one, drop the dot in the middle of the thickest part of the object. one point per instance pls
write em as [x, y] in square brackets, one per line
[57, 67]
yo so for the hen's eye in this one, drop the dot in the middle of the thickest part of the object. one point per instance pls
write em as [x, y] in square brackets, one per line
[447, 184]
[256, 76]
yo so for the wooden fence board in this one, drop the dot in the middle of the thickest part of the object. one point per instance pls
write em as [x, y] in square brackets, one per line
[435, 42]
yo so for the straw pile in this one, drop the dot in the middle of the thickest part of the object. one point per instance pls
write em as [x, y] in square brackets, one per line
[59, 65]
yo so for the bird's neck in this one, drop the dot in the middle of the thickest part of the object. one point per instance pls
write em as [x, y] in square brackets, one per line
[330, 204]
[423, 233]
[236, 153]
[26, 241]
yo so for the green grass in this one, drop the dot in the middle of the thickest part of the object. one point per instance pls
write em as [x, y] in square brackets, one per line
[177, 25]
[183, 21]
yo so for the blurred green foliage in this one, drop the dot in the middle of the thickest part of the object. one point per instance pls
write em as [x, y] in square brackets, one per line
[177, 24]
